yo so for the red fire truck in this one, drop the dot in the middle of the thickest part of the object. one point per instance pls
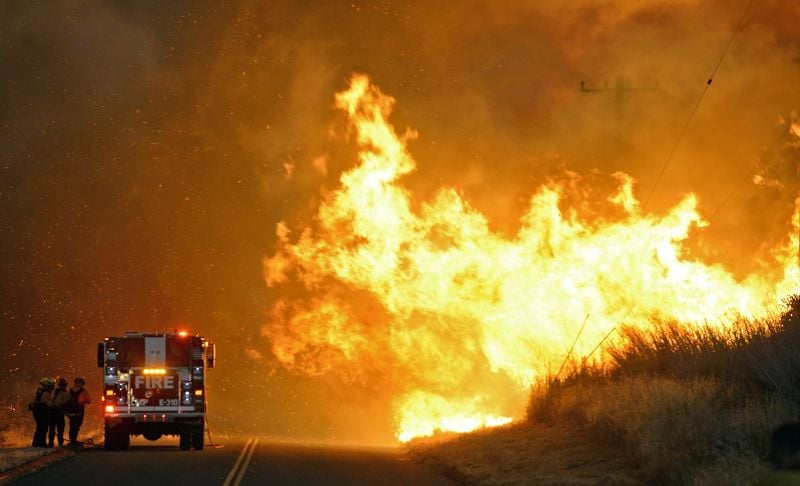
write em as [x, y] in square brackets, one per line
[154, 385]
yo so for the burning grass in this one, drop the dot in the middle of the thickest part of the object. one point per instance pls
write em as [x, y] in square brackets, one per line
[16, 428]
[16, 425]
[683, 405]
[462, 318]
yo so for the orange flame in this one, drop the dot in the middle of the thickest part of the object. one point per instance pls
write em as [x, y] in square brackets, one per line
[463, 320]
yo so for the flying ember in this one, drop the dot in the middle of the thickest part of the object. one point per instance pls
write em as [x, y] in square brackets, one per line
[461, 320]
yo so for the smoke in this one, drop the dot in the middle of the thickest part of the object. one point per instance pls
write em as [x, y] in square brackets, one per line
[149, 151]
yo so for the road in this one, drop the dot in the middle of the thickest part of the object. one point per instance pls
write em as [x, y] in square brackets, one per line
[240, 462]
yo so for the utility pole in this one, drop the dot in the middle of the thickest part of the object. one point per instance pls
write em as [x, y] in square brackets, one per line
[619, 89]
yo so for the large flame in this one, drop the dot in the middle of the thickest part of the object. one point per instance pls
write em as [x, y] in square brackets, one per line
[461, 320]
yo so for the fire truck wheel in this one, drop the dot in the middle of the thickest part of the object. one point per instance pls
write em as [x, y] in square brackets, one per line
[124, 441]
[111, 439]
[197, 441]
[185, 442]
[108, 443]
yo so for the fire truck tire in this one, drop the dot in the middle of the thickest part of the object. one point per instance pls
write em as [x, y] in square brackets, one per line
[124, 441]
[111, 439]
[185, 442]
[197, 441]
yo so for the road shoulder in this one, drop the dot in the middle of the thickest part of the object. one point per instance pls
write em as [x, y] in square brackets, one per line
[15, 463]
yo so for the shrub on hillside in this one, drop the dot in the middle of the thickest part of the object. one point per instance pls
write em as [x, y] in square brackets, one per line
[689, 402]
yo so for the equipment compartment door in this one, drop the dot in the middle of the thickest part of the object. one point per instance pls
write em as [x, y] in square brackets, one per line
[154, 352]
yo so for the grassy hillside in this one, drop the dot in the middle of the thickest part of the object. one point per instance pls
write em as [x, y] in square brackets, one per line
[671, 405]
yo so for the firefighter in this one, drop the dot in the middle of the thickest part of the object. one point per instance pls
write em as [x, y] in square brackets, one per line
[41, 412]
[56, 403]
[74, 408]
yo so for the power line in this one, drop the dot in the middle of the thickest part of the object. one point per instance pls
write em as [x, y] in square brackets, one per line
[694, 110]
[675, 146]
[747, 175]
[664, 12]
[738, 28]
[672, 153]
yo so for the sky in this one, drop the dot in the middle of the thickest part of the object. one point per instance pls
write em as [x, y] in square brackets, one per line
[149, 149]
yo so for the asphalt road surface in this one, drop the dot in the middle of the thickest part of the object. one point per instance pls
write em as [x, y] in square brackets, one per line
[247, 462]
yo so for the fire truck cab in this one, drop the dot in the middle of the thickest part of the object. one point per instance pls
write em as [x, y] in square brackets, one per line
[154, 385]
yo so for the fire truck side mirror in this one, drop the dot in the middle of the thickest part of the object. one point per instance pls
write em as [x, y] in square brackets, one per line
[101, 355]
[211, 355]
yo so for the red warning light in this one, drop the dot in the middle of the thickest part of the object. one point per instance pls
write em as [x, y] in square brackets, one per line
[183, 333]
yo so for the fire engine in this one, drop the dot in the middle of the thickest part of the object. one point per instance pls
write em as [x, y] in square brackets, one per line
[154, 384]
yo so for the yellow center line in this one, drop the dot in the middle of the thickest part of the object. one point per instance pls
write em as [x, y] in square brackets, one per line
[240, 466]
[240, 474]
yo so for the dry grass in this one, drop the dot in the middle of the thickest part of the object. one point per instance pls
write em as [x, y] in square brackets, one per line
[680, 431]
[527, 453]
[681, 405]
[16, 430]
[16, 425]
